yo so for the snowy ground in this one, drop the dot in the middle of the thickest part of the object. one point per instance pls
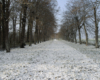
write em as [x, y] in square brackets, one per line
[51, 60]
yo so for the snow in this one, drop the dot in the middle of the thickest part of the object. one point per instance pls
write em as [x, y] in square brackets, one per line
[51, 60]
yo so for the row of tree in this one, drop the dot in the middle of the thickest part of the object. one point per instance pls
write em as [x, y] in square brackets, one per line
[26, 21]
[80, 15]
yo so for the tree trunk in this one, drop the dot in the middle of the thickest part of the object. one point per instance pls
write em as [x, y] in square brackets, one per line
[44, 36]
[3, 24]
[75, 38]
[30, 30]
[0, 24]
[0, 32]
[0, 35]
[14, 31]
[39, 35]
[20, 27]
[86, 34]
[22, 44]
[36, 31]
[7, 27]
[28, 33]
[3, 33]
[96, 30]
[79, 36]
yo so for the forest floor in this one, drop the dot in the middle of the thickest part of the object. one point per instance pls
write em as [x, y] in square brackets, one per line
[51, 60]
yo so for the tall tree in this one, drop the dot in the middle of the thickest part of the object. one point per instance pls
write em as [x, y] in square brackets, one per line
[5, 24]
[24, 7]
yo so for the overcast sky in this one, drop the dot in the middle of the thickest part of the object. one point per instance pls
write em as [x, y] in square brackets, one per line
[61, 5]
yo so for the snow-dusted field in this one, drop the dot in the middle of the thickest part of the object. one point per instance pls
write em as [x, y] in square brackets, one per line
[51, 60]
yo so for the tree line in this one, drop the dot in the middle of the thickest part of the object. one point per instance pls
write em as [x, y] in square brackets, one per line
[81, 15]
[26, 21]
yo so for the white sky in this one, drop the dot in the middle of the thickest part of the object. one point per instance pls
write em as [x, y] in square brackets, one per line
[61, 5]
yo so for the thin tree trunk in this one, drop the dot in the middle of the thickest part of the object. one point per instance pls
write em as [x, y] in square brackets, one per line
[75, 38]
[22, 44]
[96, 30]
[79, 36]
[14, 31]
[86, 34]
[30, 30]
[72, 35]
[28, 34]
[75, 33]
[35, 38]
[44, 36]
[40, 35]
[20, 27]
[36, 31]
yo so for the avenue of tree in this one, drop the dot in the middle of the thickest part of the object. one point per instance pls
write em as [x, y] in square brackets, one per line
[81, 15]
[25, 22]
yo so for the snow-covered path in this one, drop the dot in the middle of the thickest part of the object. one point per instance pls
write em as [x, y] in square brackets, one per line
[51, 60]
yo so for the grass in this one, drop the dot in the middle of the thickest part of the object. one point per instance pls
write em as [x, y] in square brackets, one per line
[90, 41]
